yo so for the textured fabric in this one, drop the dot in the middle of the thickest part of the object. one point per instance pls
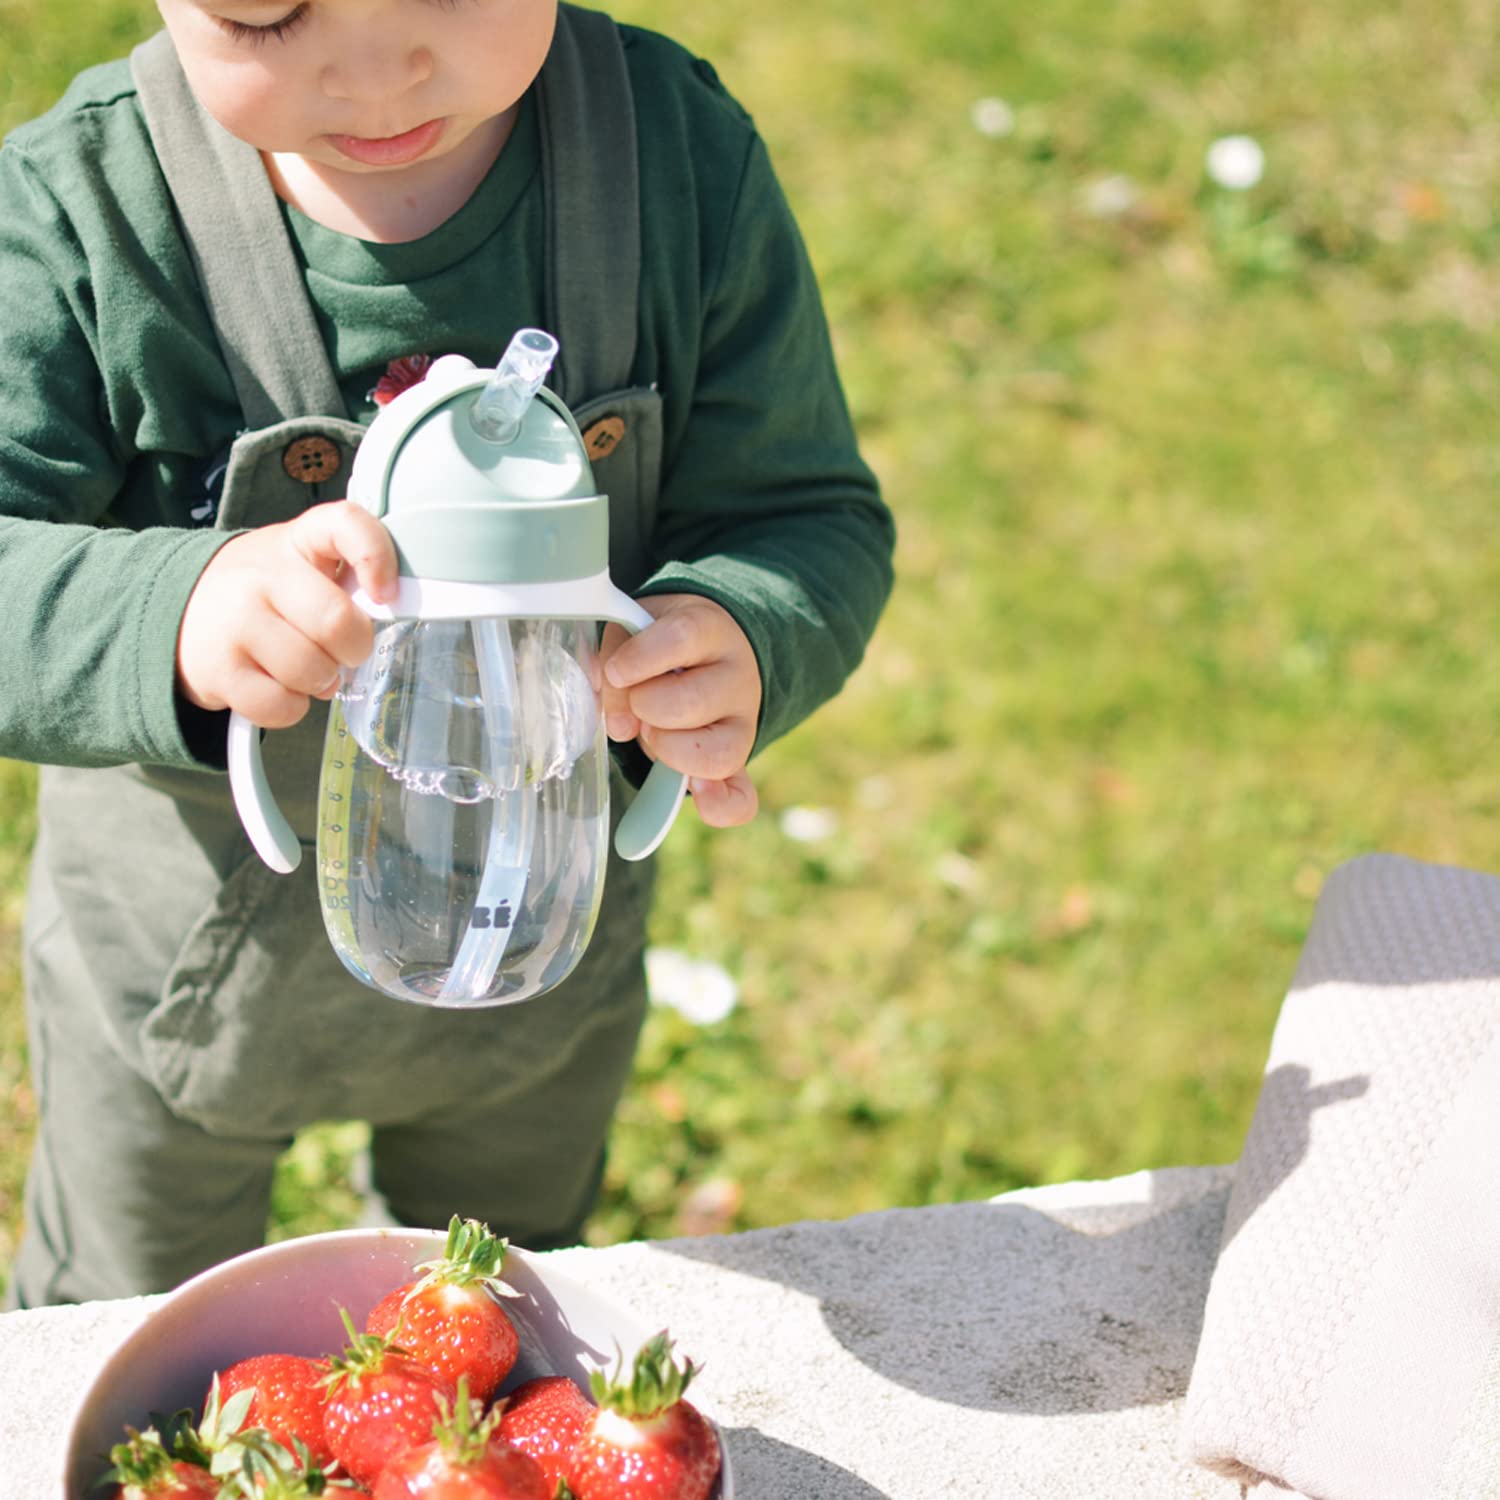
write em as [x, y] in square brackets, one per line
[586, 290]
[224, 199]
[119, 408]
[1351, 1339]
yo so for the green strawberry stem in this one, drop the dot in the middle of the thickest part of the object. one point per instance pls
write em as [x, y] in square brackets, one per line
[139, 1460]
[656, 1381]
[462, 1431]
[273, 1473]
[471, 1253]
[221, 1424]
[364, 1355]
[215, 1443]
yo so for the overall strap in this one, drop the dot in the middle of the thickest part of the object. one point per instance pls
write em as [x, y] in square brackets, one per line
[592, 184]
[232, 224]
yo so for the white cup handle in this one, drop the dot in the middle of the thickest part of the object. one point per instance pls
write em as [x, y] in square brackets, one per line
[270, 833]
[649, 818]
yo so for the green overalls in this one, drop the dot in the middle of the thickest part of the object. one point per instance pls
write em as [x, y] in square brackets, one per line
[187, 1013]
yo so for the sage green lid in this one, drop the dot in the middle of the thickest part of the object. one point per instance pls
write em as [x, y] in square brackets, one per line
[467, 510]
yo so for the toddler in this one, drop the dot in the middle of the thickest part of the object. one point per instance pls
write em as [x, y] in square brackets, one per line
[217, 259]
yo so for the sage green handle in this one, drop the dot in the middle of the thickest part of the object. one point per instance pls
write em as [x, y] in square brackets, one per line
[649, 818]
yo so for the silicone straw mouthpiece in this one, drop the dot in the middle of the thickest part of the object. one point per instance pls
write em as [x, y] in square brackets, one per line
[496, 414]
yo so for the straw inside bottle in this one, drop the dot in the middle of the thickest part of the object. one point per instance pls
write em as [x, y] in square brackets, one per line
[497, 413]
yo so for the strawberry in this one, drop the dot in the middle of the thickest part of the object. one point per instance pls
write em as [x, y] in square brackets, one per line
[287, 1398]
[545, 1418]
[645, 1442]
[449, 1320]
[467, 1460]
[380, 1403]
[143, 1469]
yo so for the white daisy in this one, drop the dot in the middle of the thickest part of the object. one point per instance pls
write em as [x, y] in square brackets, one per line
[1235, 162]
[992, 117]
[809, 825]
[698, 990]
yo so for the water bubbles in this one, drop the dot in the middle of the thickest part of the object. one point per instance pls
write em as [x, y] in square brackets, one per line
[471, 711]
[464, 786]
[456, 784]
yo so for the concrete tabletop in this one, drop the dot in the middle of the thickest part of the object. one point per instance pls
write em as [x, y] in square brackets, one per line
[1035, 1345]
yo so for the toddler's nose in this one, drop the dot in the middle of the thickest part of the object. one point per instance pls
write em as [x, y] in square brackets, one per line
[375, 73]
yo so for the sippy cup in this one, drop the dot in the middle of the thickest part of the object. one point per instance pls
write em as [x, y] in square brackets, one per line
[464, 796]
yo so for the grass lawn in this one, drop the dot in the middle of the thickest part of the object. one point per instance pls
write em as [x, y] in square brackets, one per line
[1196, 598]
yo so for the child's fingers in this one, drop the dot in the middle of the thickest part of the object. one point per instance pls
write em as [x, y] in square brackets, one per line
[727, 803]
[270, 680]
[264, 701]
[341, 533]
[252, 691]
[713, 751]
[686, 636]
[614, 702]
[314, 604]
[283, 651]
[622, 727]
[689, 698]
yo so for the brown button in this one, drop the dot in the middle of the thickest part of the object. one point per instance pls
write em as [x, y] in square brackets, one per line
[603, 436]
[311, 459]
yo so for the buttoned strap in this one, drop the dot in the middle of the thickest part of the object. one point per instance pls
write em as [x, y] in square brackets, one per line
[591, 177]
[232, 224]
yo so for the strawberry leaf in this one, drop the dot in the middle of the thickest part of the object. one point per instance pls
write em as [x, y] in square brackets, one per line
[471, 1253]
[656, 1381]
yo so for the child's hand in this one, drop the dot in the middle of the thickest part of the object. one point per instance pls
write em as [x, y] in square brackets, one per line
[267, 627]
[689, 688]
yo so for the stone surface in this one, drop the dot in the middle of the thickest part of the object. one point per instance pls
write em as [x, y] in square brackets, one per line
[1036, 1345]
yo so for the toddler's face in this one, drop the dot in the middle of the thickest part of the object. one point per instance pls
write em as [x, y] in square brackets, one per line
[363, 86]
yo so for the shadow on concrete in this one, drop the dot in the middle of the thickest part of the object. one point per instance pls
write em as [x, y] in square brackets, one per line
[765, 1467]
[1094, 1309]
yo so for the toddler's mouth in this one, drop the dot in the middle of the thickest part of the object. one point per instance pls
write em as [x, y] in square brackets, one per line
[390, 150]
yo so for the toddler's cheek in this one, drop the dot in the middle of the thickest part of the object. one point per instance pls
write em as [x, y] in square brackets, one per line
[252, 105]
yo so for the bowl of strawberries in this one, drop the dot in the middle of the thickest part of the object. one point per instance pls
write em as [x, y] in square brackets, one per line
[395, 1363]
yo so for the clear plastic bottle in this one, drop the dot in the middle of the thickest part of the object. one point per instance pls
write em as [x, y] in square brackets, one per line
[464, 809]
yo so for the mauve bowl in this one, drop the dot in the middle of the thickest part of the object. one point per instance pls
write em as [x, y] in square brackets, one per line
[284, 1299]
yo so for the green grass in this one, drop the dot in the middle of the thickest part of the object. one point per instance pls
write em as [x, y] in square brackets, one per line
[1196, 599]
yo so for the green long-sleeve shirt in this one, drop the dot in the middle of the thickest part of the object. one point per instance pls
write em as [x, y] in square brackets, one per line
[115, 403]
